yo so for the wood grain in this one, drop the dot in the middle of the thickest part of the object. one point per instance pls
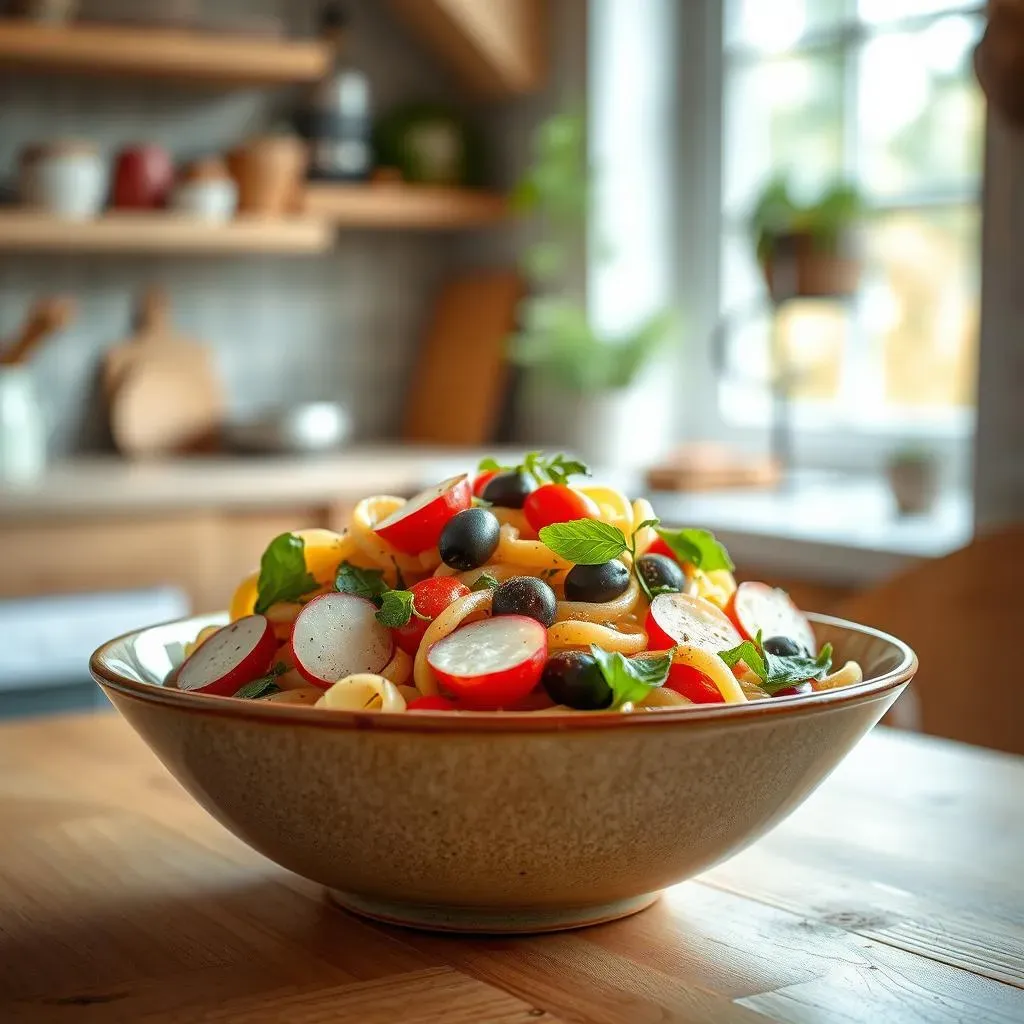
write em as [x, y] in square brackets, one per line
[893, 895]
[497, 47]
[117, 232]
[951, 610]
[159, 53]
[403, 206]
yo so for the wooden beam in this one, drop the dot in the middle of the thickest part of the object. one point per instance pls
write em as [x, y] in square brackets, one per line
[498, 47]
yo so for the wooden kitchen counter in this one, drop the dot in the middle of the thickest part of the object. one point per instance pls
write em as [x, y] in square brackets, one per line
[895, 894]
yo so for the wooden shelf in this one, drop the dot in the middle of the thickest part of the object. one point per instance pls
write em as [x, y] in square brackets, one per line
[160, 53]
[497, 47]
[403, 206]
[29, 231]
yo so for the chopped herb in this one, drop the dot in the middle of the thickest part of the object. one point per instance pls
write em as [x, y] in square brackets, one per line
[775, 671]
[485, 581]
[283, 574]
[631, 679]
[368, 583]
[396, 608]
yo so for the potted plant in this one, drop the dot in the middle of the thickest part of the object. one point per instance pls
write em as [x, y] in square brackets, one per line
[914, 480]
[577, 384]
[806, 250]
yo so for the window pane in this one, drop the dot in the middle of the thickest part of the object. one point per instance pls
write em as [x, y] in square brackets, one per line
[921, 114]
[782, 116]
[775, 25]
[893, 10]
[921, 304]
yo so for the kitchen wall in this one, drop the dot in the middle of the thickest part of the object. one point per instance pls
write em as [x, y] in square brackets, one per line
[342, 325]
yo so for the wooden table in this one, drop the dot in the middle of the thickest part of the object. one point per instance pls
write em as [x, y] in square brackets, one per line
[896, 894]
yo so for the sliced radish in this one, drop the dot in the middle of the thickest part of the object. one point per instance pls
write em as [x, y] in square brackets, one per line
[338, 635]
[233, 656]
[493, 663]
[682, 619]
[417, 525]
[756, 606]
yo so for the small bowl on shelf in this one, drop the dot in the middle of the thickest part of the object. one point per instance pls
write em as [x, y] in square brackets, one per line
[497, 821]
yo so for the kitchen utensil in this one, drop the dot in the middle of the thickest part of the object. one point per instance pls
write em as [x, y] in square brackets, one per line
[23, 428]
[707, 467]
[162, 389]
[269, 171]
[67, 179]
[206, 190]
[46, 317]
[523, 822]
[142, 177]
[458, 384]
[302, 429]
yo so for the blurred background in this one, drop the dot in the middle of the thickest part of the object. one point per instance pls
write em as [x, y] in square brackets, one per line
[758, 261]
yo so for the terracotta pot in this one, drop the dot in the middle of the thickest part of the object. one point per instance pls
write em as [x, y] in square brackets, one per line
[269, 171]
[798, 268]
[914, 484]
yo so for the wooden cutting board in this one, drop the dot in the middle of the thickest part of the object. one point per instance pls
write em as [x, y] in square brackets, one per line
[458, 386]
[162, 389]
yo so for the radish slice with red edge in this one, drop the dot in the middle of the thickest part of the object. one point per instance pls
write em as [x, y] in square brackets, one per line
[491, 664]
[682, 619]
[417, 525]
[235, 655]
[756, 606]
[338, 635]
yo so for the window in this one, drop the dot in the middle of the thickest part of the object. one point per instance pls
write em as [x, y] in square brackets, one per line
[880, 93]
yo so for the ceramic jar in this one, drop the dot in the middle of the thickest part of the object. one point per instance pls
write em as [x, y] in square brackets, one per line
[23, 429]
[206, 191]
[68, 179]
[269, 171]
[142, 177]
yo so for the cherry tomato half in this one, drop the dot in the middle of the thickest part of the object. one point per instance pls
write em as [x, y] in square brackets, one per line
[558, 503]
[481, 480]
[429, 597]
[659, 547]
[688, 681]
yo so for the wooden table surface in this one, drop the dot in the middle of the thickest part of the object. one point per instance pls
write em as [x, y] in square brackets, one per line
[896, 894]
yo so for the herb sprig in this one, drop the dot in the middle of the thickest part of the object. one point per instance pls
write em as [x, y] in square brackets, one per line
[777, 671]
[541, 468]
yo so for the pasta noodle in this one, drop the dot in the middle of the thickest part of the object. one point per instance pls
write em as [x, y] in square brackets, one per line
[574, 656]
[581, 634]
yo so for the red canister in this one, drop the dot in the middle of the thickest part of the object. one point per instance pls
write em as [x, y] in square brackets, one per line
[143, 175]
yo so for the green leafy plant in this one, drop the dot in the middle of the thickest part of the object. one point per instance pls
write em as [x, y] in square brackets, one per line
[776, 215]
[555, 335]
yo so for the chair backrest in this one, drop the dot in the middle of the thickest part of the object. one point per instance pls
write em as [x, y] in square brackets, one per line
[964, 616]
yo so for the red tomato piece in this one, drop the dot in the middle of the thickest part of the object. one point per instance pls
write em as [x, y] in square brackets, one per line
[558, 503]
[431, 704]
[430, 597]
[481, 480]
[691, 683]
[659, 547]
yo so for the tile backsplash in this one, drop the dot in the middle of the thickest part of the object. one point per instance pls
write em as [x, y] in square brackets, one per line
[342, 325]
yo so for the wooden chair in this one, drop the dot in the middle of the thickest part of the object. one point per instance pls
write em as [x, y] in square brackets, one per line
[964, 616]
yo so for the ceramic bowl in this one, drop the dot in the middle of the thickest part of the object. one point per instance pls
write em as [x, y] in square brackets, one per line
[498, 822]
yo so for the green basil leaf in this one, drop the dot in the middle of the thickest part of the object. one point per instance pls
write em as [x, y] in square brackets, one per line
[698, 547]
[777, 672]
[554, 469]
[631, 679]
[262, 687]
[751, 654]
[368, 583]
[584, 541]
[283, 575]
[485, 465]
[485, 581]
[396, 608]
[646, 522]
[789, 670]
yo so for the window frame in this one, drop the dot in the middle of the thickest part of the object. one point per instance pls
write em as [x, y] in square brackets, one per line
[702, 66]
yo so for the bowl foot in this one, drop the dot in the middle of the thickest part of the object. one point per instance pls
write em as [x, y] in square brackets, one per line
[494, 922]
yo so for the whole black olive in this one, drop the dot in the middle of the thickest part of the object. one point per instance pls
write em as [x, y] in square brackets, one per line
[507, 490]
[572, 678]
[660, 571]
[525, 595]
[596, 583]
[469, 538]
[782, 646]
